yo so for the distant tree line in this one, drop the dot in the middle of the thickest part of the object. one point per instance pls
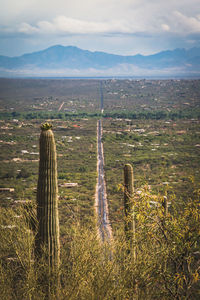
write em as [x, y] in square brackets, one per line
[155, 115]
[147, 115]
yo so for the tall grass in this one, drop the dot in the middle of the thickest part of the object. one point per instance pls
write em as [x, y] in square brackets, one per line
[167, 264]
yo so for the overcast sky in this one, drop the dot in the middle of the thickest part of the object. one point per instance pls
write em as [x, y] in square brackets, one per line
[115, 26]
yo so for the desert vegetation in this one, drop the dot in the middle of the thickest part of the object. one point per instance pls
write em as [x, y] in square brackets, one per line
[166, 264]
[159, 142]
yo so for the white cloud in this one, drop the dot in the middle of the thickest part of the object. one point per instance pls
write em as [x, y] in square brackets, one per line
[176, 22]
[26, 28]
[71, 25]
[185, 24]
[100, 16]
[165, 27]
[121, 26]
[63, 24]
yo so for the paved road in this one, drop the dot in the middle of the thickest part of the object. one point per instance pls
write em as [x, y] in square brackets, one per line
[105, 231]
[101, 97]
[60, 107]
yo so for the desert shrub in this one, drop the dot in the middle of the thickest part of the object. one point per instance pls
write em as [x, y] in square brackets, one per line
[166, 264]
[23, 174]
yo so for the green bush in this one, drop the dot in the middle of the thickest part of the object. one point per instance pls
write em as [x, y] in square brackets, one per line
[23, 174]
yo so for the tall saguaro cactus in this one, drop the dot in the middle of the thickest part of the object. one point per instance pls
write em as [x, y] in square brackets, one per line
[47, 201]
[128, 204]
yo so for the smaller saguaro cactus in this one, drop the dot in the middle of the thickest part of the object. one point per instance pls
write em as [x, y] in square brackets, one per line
[128, 203]
[47, 237]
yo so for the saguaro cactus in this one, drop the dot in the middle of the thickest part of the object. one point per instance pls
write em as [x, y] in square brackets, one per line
[128, 202]
[47, 200]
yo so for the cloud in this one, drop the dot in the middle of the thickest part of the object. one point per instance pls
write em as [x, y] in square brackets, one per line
[165, 27]
[27, 28]
[185, 24]
[71, 25]
[176, 22]
[63, 24]
[99, 17]
[126, 27]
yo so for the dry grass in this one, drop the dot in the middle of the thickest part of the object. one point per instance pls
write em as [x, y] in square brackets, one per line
[165, 268]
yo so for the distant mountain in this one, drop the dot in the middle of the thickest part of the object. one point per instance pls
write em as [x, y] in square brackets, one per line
[72, 61]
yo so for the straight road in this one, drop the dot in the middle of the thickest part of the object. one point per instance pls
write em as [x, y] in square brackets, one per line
[60, 107]
[101, 97]
[105, 231]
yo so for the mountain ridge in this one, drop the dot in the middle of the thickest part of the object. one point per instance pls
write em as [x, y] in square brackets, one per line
[68, 58]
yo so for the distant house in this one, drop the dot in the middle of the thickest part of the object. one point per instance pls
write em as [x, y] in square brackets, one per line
[68, 184]
[7, 190]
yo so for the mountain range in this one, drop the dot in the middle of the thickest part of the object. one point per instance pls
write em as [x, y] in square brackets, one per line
[72, 61]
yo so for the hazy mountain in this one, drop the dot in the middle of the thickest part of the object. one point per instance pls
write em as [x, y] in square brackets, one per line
[69, 61]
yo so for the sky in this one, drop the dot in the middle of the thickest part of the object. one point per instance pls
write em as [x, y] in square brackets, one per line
[126, 27]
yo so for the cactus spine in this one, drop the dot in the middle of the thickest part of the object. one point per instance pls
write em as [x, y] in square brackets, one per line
[47, 201]
[128, 203]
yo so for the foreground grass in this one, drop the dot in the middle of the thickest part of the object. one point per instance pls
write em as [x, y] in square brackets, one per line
[166, 265]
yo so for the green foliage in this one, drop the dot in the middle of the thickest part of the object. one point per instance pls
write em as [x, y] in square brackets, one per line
[164, 154]
[139, 115]
[168, 244]
[154, 115]
[23, 173]
[42, 115]
[83, 169]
